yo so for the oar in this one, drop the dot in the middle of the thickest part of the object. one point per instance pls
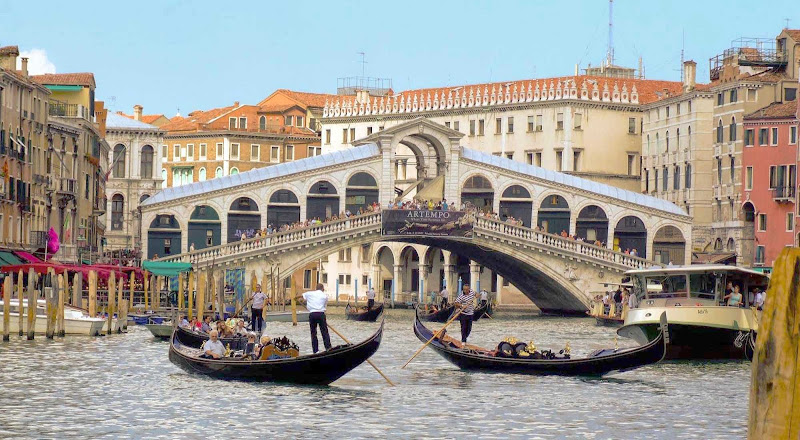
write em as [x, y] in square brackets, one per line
[368, 361]
[432, 338]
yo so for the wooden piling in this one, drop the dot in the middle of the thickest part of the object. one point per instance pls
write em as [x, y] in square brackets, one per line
[190, 308]
[20, 309]
[774, 394]
[50, 307]
[112, 291]
[8, 287]
[122, 320]
[181, 298]
[77, 290]
[145, 285]
[201, 294]
[220, 285]
[62, 298]
[32, 303]
[293, 290]
[92, 293]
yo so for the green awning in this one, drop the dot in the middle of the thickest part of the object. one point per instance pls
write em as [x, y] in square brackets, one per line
[165, 268]
[9, 258]
[63, 88]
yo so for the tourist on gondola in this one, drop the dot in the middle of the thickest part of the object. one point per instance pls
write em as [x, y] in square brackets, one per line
[205, 327]
[184, 322]
[257, 309]
[466, 303]
[241, 330]
[213, 347]
[316, 303]
[370, 298]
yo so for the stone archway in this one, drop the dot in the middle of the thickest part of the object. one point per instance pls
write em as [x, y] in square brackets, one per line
[554, 214]
[163, 237]
[516, 202]
[243, 218]
[669, 246]
[205, 228]
[631, 234]
[322, 201]
[592, 224]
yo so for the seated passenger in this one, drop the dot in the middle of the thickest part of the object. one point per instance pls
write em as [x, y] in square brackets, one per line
[205, 327]
[257, 350]
[240, 328]
[223, 330]
[213, 348]
[184, 322]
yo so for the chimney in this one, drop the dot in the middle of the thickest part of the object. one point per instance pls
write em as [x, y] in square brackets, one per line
[24, 66]
[236, 103]
[689, 75]
[137, 112]
[8, 57]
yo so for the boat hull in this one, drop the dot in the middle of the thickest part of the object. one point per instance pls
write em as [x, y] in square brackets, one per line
[84, 327]
[161, 331]
[370, 315]
[286, 316]
[695, 332]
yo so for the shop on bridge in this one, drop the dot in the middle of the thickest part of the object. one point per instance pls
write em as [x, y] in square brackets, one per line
[163, 237]
[478, 191]
[554, 214]
[361, 191]
[322, 201]
[205, 228]
[283, 208]
[243, 218]
[629, 234]
[516, 202]
[592, 224]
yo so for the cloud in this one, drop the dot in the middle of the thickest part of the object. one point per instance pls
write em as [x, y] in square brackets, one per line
[37, 62]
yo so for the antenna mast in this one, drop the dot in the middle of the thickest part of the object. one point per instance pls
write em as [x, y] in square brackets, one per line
[683, 44]
[363, 62]
[610, 54]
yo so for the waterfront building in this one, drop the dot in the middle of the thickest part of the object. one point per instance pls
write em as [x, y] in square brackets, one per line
[156, 120]
[229, 140]
[23, 153]
[769, 176]
[134, 176]
[76, 127]
[311, 103]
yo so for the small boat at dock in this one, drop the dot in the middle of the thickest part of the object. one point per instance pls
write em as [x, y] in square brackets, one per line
[76, 321]
[363, 314]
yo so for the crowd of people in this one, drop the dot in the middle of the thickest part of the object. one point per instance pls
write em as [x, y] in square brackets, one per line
[620, 297]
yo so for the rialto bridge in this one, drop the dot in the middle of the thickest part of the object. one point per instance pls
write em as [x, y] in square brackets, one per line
[554, 272]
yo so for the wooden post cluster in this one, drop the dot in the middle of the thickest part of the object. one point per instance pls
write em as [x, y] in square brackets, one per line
[190, 308]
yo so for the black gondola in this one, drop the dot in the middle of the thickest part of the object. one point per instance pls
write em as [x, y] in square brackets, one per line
[356, 314]
[314, 369]
[440, 315]
[750, 348]
[480, 311]
[597, 363]
[194, 339]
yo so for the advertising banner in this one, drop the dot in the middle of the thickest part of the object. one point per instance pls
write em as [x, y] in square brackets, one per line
[427, 223]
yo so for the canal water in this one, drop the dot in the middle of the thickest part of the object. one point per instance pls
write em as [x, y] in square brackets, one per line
[124, 386]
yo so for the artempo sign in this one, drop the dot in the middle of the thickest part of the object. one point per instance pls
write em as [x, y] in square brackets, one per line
[427, 223]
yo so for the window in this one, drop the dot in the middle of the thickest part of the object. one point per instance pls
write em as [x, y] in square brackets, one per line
[666, 138]
[793, 135]
[748, 179]
[646, 181]
[732, 134]
[288, 120]
[733, 170]
[733, 96]
[762, 222]
[167, 246]
[352, 134]
[472, 127]
[655, 180]
[219, 152]
[773, 140]
[539, 119]
[560, 121]
[231, 123]
[667, 109]
[763, 137]
[719, 171]
[688, 175]
[243, 123]
[666, 180]
[314, 151]
[510, 156]
[346, 255]
[576, 160]
[531, 123]
[299, 121]
[631, 163]
[202, 174]
[234, 151]
[119, 161]
[344, 279]
[751, 95]
[176, 152]
[456, 126]
[689, 106]
[164, 152]
[647, 145]
[789, 221]
[307, 279]
[327, 137]
[537, 159]
[676, 180]
[529, 158]
[559, 156]
[480, 127]
[510, 124]
[369, 131]
[447, 124]
[760, 254]
[163, 178]
[498, 125]
[689, 135]
[117, 208]
[262, 123]
[289, 152]
[678, 109]
[720, 99]
[203, 151]
[748, 137]
[146, 165]
[344, 135]
[789, 94]
[719, 131]
[255, 152]
[219, 172]
[275, 154]
[190, 151]
[209, 237]
[234, 171]
[578, 121]
[773, 176]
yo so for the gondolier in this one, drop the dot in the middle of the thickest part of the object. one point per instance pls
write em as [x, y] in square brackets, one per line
[370, 298]
[316, 303]
[466, 303]
[445, 294]
[257, 309]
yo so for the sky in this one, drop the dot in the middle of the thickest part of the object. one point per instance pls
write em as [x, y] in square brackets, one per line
[184, 55]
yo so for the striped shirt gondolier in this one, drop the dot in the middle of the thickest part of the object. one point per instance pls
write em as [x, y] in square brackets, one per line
[468, 301]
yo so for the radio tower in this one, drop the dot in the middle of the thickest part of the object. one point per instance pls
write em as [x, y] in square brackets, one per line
[610, 54]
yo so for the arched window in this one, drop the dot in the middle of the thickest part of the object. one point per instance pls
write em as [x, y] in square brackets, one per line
[119, 161]
[202, 174]
[218, 172]
[647, 148]
[163, 178]
[666, 136]
[688, 175]
[719, 131]
[117, 210]
[262, 123]
[147, 162]
[732, 135]
[689, 136]
[678, 137]
[144, 197]
[234, 171]
[658, 146]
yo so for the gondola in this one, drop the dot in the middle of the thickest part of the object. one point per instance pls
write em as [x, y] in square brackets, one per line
[194, 339]
[750, 347]
[597, 363]
[441, 315]
[356, 314]
[480, 311]
[314, 369]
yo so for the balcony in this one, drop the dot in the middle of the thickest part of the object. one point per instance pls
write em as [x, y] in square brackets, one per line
[65, 110]
[731, 148]
[68, 187]
[38, 239]
[783, 193]
[717, 150]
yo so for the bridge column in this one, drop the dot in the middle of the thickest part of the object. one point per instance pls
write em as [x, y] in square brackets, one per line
[424, 280]
[573, 221]
[474, 276]
[499, 293]
[223, 219]
[398, 279]
[448, 274]
[386, 192]
[610, 240]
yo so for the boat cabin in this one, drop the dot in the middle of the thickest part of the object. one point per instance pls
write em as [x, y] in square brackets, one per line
[694, 285]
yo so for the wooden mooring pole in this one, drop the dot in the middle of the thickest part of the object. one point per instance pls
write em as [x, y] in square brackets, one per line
[92, 293]
[32, 303]
[112, 291]
[20, 309]
[122, 320]
[62, 298]
[51, 308]
[8, 287]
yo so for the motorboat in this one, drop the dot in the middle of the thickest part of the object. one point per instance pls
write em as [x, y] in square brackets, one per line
[76, 321]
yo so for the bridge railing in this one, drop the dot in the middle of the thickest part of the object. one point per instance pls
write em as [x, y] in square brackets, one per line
[245, 246]
[559, 242]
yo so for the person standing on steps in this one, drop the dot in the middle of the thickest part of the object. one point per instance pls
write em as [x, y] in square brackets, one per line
[316, 303]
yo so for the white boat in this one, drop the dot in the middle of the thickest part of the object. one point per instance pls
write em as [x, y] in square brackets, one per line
[76, 321]
[701, 325]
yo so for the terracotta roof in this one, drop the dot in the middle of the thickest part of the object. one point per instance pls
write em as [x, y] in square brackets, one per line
[276, 108]
[775, 110]
[308, 99]
[66, 79]
[147, 119]
[794, 33]
[194, 119]
[771, 75]
[9, 50]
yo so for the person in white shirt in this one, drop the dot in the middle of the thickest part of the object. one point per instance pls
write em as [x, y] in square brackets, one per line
[760, 298]
[213, 347]
[445, 294]
[257, 309]
[484, 297]
[316, 303]
[370, 298]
